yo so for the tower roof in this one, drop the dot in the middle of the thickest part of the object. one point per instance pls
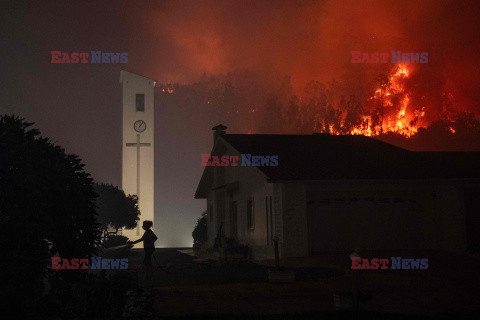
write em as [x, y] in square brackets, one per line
[124, 73]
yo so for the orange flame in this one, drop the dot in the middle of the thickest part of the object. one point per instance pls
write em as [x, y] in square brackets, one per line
[402, 118]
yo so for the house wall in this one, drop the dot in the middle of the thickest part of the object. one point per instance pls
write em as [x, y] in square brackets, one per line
[472, 212]
[252, 184]
[294, 220]
[278, 215]
[451, 216]
[340, 216]
[392, 215]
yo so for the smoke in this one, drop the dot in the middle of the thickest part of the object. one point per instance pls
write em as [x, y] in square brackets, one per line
[313, 40]
[276, 42]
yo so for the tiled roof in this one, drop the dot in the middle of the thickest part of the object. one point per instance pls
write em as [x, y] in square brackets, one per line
[325, 157]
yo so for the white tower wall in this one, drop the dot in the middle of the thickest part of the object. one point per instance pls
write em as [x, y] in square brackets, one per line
[132, 85]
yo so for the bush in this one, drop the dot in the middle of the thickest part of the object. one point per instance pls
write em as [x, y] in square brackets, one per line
[114, 208]
[234, 247]
[474, 247]
[113, 241]
[47, 205]
[199, 234]
[89, 296]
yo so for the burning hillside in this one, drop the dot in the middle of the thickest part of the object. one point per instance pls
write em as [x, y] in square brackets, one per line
[388, 110]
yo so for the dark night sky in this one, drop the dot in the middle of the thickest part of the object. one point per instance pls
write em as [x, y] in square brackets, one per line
[78, 105]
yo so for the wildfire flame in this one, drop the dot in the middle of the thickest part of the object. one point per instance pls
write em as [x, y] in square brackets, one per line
[401, 117]
[167, 88]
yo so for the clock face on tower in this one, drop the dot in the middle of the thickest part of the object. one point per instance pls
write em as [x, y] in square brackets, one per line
[139, 126]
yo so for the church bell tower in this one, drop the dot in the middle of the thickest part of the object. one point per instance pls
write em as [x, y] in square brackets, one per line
[137, 146]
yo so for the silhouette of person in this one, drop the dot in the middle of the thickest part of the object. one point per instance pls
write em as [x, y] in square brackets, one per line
[148, 239]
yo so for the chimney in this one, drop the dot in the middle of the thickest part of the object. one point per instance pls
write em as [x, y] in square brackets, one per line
[219, 130]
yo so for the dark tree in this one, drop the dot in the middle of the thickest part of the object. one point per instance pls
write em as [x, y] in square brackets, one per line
[47, 205]
[292, 116]
[384, 82]
[272, 120]
[353, 118]
[115, 208]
